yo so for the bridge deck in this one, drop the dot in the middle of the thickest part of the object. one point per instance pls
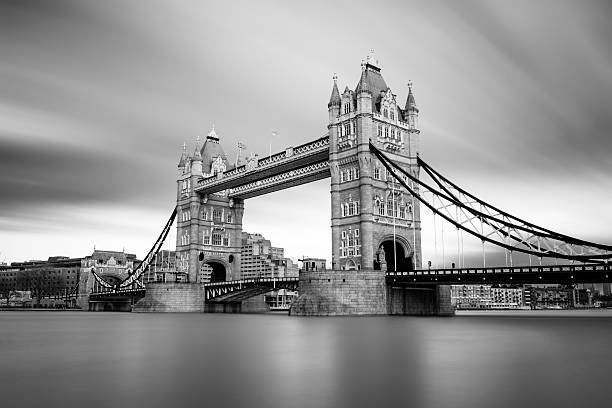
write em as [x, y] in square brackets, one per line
[549, 274]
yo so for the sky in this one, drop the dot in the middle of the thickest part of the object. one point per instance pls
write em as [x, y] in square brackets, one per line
[97, 98]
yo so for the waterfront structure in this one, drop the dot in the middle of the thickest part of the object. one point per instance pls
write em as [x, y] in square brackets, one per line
[314, 264]
[62, 279]
[488, 297]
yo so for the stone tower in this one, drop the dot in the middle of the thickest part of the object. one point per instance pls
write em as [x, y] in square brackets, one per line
[209, 227]
[375, 222]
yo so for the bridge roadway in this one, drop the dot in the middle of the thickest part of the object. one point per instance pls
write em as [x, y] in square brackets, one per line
[540, 274]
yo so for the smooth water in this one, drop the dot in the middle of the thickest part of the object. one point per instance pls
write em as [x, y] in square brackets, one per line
[521, 359]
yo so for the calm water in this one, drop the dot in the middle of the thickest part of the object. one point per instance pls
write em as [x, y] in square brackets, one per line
[526, 359]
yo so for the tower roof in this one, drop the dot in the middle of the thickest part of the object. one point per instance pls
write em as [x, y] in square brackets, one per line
[334, 99]
[371, 81]
[211, 150]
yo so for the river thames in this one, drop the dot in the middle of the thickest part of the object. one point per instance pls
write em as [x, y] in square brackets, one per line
[493, 359]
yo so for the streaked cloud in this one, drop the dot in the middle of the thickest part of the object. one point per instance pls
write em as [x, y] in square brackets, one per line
[96, 99]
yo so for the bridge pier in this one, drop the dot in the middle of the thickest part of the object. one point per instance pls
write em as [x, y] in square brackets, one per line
[171, 297]
[340, 293]
[366, 292]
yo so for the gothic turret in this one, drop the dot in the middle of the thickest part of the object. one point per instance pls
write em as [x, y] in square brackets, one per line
[183, 159]
[334, 99]
[196, 159]
[411, 112]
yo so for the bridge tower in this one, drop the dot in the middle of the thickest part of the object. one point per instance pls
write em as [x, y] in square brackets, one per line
[209, 227]
[375, 222]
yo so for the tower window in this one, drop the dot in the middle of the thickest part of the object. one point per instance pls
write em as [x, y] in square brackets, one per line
[228, 218]
[347, 128]
[376, 173]
[347, 108]
[216, 239]
[393, 133]
[217, 215]
[386, 113]
[392, 114]
[379, 130]
[386, 131]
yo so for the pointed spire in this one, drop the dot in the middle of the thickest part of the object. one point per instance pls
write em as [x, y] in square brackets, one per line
[196, 153]
[183, 156]
[363, 85]
[334, 100]
[410, 103]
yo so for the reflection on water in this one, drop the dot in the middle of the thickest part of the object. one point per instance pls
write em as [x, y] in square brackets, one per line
[521, 359]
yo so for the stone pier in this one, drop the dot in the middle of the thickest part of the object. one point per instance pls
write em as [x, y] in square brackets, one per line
[172, 297]
[365, 292]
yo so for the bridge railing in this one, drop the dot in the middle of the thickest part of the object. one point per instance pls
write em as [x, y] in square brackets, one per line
[503, 269]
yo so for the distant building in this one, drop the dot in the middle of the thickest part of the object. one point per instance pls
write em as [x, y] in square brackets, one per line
[551, 297]
[163, 268]
[313, 264]
[488, 297]
[52, 280]
[261, 260]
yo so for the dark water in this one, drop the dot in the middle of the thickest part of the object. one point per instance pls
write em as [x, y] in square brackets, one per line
[528, 359]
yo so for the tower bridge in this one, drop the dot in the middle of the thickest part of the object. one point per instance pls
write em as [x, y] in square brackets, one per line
[370, 153]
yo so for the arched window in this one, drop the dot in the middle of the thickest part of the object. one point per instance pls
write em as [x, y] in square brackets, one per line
[386, 113]
[392, 114]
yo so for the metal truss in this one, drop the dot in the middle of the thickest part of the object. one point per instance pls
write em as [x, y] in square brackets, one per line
[490, 224]
[217, 290]
[304, 150]
[279, 179]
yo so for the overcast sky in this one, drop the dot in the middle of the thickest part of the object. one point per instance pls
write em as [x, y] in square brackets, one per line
[97, 97]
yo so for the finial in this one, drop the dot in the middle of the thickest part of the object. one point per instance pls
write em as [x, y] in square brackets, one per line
[212, 133]
[184, 147]
[410, 86]
[335, 77]
[371, 59]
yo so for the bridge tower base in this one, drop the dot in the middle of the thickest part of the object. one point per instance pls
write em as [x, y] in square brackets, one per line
[341, 293]
[171, 298]
[366, 292]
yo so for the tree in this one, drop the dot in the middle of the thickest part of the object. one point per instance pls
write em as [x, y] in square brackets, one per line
[8, 286]
[42, 282]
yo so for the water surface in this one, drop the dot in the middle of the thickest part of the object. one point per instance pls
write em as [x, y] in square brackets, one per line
[520, 359]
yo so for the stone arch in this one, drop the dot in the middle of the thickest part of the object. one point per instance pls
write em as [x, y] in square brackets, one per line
[350, 265]
[220, 269]
[403, 250]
